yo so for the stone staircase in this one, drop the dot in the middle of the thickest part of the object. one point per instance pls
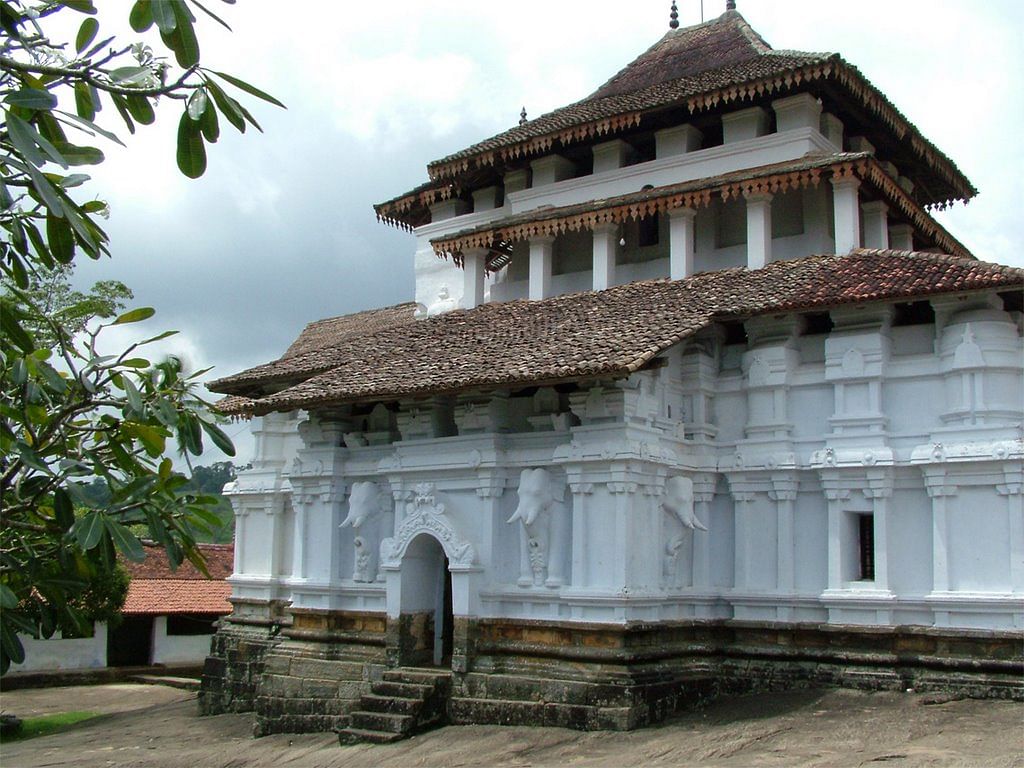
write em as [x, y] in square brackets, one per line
[406, 701]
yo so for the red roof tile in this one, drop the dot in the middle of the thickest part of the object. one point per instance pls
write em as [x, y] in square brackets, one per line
[157, 589]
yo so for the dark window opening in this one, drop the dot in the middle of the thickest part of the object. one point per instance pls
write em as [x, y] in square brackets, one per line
[817, 323]
[735, 333]
[866, 535]
[647, 231]
[190, 624]
[913, 313]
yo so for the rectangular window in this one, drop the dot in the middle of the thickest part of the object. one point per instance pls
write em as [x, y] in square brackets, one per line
[648, 231]
[866, 534]
[191, 624]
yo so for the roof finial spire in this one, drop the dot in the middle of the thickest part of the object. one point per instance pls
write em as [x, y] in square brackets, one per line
[522, 116]
[673, 16]
[730, 5]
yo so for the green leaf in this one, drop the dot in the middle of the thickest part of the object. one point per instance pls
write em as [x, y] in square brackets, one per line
[209, 125]
[191, 151]
[141, 16]
[8, 599]
[121, 103]
[32, 98]
[83, 102]
[252, 90]
[136, 362]
[132, 393]
[23, 136]
[86, 34]
[125, 541]
[60, 238]
[11, 649]
[89, 529]
[140, 109]
[164, 16]
[227, 106]
[82, 6]
[14, 332]
[219, 437]
[78, 155]
[197, 103]
[130, 74]
[63, 509]
[135, 316]
[182, 40]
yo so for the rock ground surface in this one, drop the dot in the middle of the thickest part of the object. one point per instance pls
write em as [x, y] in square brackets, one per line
[158, 727]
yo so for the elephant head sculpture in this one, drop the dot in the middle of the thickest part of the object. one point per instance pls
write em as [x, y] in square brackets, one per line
[535, 496]
[678, 500]
[366, 501]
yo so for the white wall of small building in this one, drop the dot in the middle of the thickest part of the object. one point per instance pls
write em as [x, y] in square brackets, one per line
[177, 649]
[64, 654]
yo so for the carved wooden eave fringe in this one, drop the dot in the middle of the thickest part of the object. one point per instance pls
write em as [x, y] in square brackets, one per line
[866, 169]
[536, 145]
[392, 211]
[850, 78]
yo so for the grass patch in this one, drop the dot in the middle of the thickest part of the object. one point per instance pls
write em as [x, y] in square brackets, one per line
[47, 724]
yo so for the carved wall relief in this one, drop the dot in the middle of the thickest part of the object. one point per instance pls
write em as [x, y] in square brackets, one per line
[541, 529]
[677, 501]
[369, 509]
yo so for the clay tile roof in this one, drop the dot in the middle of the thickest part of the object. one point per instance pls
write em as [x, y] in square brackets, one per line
[157, 589]
[320, 340]
[616, 331]
[703, 67]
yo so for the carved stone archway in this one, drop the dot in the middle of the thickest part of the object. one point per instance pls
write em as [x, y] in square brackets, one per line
[426, 514]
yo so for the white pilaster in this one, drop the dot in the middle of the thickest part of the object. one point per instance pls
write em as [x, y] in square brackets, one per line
[541, 251]
[551, 169]
[485, 199]
[610, 155]
[474, 262]
[681, 242]
[605, 240]
[876, 224]
[744, 124]
[832, 129]
[796, 112]
[846, 201]
[676, 141]
[759, 230]
[901, 237]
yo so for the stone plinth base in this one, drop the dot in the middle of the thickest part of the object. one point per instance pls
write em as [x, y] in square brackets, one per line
[603, 676]
[234, 668]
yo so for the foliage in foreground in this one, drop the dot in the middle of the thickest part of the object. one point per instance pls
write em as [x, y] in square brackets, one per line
[70, 412]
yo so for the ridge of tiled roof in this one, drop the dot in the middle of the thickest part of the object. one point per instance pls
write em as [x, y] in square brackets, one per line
[220, 562]
[616, 331]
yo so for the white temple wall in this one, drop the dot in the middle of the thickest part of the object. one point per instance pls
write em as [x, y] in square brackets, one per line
[805, 434]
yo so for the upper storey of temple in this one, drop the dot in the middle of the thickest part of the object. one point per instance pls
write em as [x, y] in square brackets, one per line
[691, 91]
[710, 151]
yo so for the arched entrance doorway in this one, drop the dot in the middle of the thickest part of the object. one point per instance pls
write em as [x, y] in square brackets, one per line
[426, 604]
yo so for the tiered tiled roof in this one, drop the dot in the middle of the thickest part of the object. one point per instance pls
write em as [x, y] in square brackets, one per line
[592, 334]
[695, 69]
[155, 589]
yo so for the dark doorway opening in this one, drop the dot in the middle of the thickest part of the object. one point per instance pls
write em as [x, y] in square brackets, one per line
[130, 643]
[444, 620]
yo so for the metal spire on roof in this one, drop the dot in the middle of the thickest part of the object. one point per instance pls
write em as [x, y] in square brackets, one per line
[673, 17]
[522, 116]
[730, 5]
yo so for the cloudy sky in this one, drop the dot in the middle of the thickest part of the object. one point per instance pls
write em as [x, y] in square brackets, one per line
[280, 231]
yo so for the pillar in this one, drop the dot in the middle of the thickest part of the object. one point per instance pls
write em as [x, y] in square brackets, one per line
[681, 242]
[759, 230]
[901, 237]
[474, 262]
[541, 251]
[876, 224]
[605, 240]
[610, 155]
[846, 202]
[676, 141]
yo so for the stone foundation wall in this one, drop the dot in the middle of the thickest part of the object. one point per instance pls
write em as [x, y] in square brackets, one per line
[316, 674]
[590, 676]
[234, 668]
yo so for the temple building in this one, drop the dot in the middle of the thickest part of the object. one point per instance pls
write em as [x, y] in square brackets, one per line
[695, 396]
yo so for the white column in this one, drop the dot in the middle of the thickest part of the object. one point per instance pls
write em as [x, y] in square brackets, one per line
[901, 237]
[846, 202]
[604, 255]
[474, 261]
[835, 537]
[759, 230]
[299, 505]
[681, 242]
[677, 141]
[609, 155]
[541, 250]
[876, 224]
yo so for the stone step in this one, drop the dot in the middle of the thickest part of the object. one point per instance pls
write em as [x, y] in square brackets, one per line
[388, 722]
[417, 676]
[401, 690]
[348, 736]
[371, 702]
